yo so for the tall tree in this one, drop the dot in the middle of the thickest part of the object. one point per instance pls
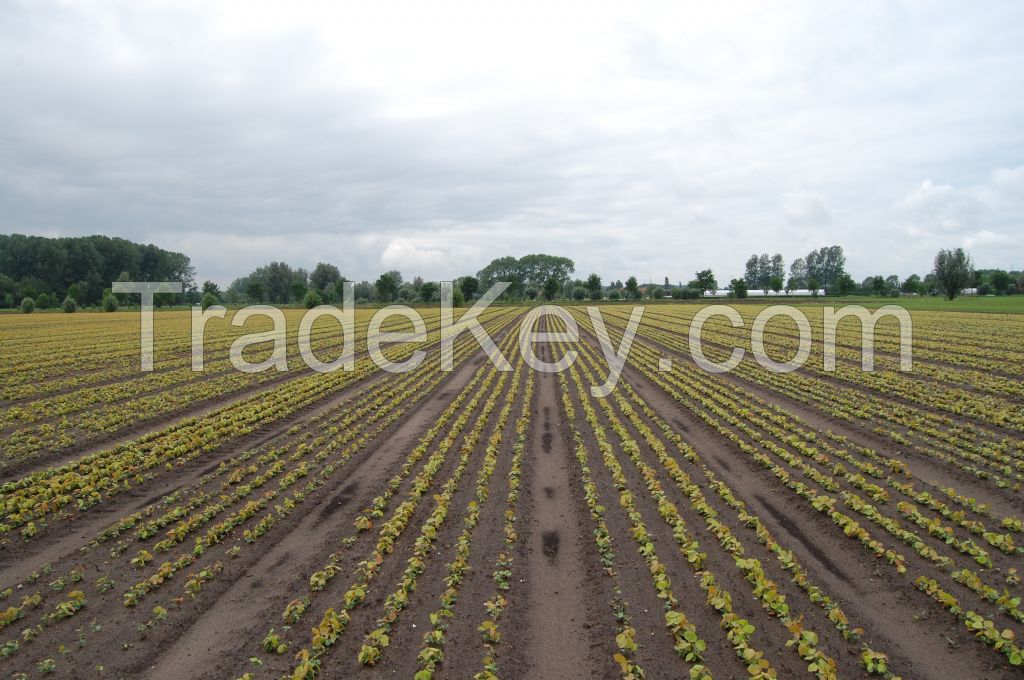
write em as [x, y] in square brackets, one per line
[632, 288]
[798, 274]
[705, 280]
[469, 286]
[751, 272]
[387, 286]
[551, 287]
[778, 267]
[764, 272]
[324, 275]
[954, 271]
[593, 286]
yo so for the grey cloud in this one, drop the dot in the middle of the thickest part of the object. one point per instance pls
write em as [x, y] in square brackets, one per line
[669, 143]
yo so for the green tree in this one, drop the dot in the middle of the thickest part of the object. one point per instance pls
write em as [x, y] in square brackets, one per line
[593, 286]
[28, 305]
[469, 285]
[324, 275]
[579, 293]
[1000, 281]
[387, 287]
[551, 287]
[912, 285]
[312, 299]
[845, 284]
[428, 290]
[813, 284]
[211, 288]
[254, 291]
[69, 305]
[775, 283]
[705, 281]
[954, 271]
[209, 299]
[738, 288]
[458, 299]
[110, 303]
[632, 288]
[878, 286]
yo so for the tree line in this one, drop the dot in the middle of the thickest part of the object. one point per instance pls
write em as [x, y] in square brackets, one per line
[48, 271]
[40, 272]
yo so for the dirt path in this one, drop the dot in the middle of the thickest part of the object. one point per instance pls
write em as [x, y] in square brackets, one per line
[555, 554]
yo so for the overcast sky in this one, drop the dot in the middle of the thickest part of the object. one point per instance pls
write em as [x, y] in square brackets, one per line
[647, 139]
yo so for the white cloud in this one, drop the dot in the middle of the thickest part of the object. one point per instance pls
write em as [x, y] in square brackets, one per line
[406, 255]
[942, 208]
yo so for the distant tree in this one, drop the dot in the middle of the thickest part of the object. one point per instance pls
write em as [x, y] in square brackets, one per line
[69, 305]
[775, 283]
[813, 284]
[738, 288]
[254, 291]
[764, 272]
[110, 303]
[778, 267]
[387, 287]
[312, 299]
[798, 273]
[28, 305]
[551, 287]
[324, 275]
[458, 299]
[1000, 281]
[752, 272]
[298, 290]
[825, 265]
[579, 293]
[878, 286]
[911, 285]
[954, 271]
[211, 288]
[845, 284]
[209, 299]
[705, 281]
[632, 288]
[427, 291]
[593, 286]
[614, 294]
[469, 285]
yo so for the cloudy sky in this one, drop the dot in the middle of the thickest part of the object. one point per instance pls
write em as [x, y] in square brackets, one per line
[650, 139]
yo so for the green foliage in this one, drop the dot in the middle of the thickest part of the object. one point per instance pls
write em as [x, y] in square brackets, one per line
[28, 305]
[110, 303]
[551, 287]
[954, 271]
[632, 289]
[387, 286]
[312, 299]
[69, 305]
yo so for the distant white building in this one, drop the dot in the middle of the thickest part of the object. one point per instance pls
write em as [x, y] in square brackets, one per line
[804, 292]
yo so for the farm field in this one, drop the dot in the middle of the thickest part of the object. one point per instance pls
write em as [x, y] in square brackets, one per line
[508, 524]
